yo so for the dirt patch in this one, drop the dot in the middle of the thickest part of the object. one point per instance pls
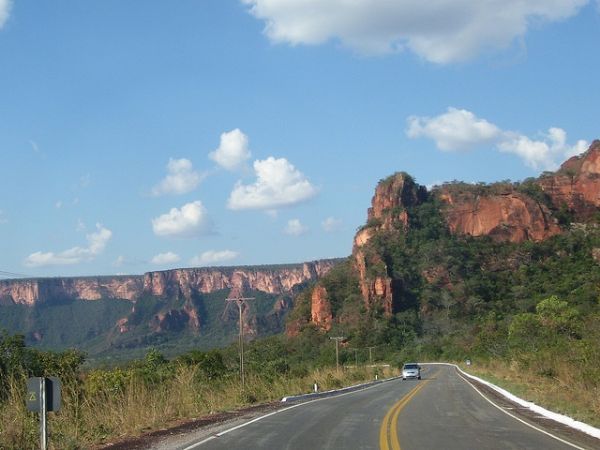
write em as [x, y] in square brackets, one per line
[147, 440]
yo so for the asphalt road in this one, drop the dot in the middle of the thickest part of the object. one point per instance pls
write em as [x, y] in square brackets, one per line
[442, 411]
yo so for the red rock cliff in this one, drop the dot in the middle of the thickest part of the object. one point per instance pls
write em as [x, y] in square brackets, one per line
[576, 184]
[387, 212]
[506, 217]
[32, 291]
[320, 310]
[177, 283]
[184, 282]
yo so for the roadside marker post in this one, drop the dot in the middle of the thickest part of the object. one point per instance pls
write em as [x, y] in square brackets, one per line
[43, 395]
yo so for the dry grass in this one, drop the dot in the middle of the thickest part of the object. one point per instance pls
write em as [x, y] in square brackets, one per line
[87, 420]
[563, 392]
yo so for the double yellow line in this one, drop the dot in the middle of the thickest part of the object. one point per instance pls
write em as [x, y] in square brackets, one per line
[388, 434]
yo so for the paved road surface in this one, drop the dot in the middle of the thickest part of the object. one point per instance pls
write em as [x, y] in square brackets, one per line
[442, 411]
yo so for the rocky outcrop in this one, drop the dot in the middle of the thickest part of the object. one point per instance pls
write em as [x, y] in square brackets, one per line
[183, 283]
[506, 217]
[42, 290]
[392, 196]
[576, 185]
[177, 283]
[388, 211]
[376, 289]
[320, 310]
[500, 212]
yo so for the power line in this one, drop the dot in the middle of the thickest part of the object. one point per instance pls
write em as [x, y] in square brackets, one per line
[6, 274]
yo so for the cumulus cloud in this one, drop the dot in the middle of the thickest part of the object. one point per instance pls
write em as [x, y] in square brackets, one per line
[165, 258]
[441, 31]
[233, 151]
[96, 243]
[295, 228]
[459, 130]
[278, 184]
[5, 6]
[546, 153]
[331, 224]
[181, 178]
[191, 220]
[213, 257]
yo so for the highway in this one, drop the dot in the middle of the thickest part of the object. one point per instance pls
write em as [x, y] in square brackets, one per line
[442, 411]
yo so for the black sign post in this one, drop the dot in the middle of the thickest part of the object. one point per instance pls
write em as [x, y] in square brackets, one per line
[43, 395]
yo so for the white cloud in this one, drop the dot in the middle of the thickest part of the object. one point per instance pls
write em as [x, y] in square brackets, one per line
[213, 257]
[545, 154]
[190, 221]
[181, 178]
[295, 228]
[3, 218]
[165, 258]
[457, 129]
[278, 184]
[96, 243]
[233, 150]
[120, 261]
[5, 6]
[331, 224]
[461, 130]
[441, 31]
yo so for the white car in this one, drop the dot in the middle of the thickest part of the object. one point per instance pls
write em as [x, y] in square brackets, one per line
[411, 370]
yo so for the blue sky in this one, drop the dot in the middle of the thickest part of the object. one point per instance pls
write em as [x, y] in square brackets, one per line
[147, 135]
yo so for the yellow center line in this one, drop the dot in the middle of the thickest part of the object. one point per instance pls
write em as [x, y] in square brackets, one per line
[388, 435]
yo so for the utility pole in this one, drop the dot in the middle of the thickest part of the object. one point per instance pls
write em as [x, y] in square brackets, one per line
[240, 301]
[337, 340]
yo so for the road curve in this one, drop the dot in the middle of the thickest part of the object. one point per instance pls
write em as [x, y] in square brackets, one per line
[442, 411]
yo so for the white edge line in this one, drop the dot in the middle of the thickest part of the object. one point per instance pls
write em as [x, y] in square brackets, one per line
[356, 387]
[237, 427]
[545, 413]
[561, 418]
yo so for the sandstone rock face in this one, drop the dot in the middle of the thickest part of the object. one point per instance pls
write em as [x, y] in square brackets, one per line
[182, 283]
[387, 212]
[392, 195]
[320, 310]
[375, 290]
[178, 283]
[30, 292]
[576, 185]
[507, 217]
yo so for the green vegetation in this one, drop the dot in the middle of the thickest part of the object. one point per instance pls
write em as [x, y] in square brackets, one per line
[103, 404]
[528, 314]
[64, 323]
[533, 307]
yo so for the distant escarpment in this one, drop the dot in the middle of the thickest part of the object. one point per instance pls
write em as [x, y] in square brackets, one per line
[176, 283]
[405, 219]
[172, 301]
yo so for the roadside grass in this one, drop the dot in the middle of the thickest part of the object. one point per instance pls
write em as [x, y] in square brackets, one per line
[562, 391]
[92, 417]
